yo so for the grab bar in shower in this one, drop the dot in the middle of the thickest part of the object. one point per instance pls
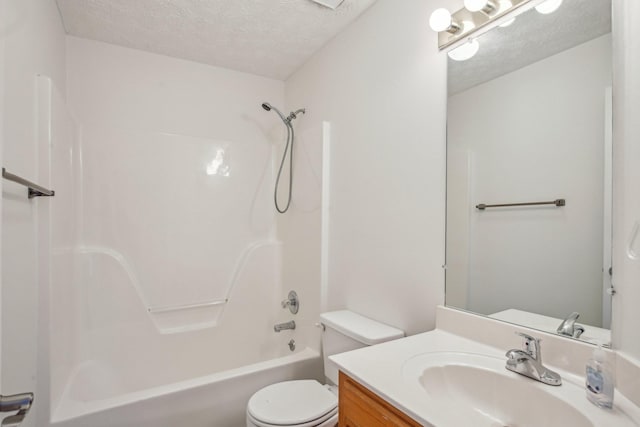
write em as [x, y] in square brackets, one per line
[34, 189]
[166, 309]
[557, 202]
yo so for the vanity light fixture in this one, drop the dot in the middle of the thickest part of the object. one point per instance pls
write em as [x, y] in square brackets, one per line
[462, 28]
[506, 5]
[465, 51]
[548, 6]
[441, 20]
[486, 6]
[507, 23]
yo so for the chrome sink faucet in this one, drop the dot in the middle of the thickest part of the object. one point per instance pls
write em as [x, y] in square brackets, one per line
[569, 328]
[528, 362]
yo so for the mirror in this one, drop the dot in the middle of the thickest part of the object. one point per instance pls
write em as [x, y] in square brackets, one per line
[529, 121]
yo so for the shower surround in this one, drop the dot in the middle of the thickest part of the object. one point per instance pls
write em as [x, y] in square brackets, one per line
[173, 264]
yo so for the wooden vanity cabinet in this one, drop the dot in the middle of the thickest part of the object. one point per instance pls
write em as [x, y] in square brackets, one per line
[360, 407]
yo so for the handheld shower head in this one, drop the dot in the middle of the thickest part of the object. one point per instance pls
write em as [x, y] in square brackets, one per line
[288, 148]
[286, 120]
[270, 107]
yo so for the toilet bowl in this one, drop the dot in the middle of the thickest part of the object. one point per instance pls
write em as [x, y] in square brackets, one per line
[301, 403]
[307, 403]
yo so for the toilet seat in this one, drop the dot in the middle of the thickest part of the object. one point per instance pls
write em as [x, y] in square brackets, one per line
[302, 403]
[328, 420]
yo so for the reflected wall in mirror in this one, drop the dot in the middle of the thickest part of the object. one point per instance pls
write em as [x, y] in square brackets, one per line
[529, 120]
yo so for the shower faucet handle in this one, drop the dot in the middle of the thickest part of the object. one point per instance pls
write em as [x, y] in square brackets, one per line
[292, 302]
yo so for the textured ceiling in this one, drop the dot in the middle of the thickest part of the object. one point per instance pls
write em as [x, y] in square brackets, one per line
[531, 38]
[271, 38]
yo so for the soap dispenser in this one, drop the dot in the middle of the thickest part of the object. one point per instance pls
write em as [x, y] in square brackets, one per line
[599, 379]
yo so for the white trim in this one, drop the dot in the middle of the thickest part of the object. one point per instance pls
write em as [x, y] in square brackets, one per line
[325, 213]
[608, 206]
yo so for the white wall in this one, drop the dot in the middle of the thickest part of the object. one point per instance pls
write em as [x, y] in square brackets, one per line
[626, 211]
[528, 143]
[381, 84]
[458, 225]
[34, 44]
[2, 102]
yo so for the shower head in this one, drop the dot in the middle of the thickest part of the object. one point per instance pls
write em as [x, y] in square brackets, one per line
[270, 107]
[287, 149]
[294, 114]
[286, 120]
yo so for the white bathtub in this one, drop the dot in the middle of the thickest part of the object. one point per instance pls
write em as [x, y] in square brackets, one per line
[113, 364]
[217, 400]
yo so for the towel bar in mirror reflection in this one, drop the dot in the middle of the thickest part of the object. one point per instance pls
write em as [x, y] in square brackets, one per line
[557, 202]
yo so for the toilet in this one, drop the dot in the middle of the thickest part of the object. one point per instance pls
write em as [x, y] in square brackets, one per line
[307, 403]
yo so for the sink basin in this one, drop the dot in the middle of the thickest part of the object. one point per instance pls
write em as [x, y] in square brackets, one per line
[476, 390]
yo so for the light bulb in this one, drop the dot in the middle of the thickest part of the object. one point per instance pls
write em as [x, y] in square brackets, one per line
[440, 20]
[465, 51]
[548, 6]
[475, 5]
[507, 23]
[504, 5]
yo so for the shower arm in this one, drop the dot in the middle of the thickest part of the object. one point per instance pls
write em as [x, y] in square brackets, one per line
[294, 115]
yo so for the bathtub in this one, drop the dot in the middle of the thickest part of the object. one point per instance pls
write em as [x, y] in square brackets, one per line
[216, 400]
[115, 363]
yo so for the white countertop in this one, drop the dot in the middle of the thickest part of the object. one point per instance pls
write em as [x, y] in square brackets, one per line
[380, 368]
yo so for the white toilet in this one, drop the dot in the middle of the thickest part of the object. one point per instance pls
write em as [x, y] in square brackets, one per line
[307, 403]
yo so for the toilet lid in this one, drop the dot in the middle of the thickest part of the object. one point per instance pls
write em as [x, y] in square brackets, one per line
[292, 402]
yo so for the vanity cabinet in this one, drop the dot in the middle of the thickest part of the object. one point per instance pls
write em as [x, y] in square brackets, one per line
[360, 407]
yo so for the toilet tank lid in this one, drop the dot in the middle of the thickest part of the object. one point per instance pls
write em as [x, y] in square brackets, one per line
[360, 328]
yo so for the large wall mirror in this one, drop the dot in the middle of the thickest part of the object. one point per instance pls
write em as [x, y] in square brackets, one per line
[529, 121]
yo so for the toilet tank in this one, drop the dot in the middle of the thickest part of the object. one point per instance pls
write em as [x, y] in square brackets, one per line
[345, 330]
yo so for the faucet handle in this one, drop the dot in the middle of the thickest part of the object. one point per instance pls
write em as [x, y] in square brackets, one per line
[573, 316]
[530, 345]
[292, 302]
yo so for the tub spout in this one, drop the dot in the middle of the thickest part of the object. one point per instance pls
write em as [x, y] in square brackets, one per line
[282, 326]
